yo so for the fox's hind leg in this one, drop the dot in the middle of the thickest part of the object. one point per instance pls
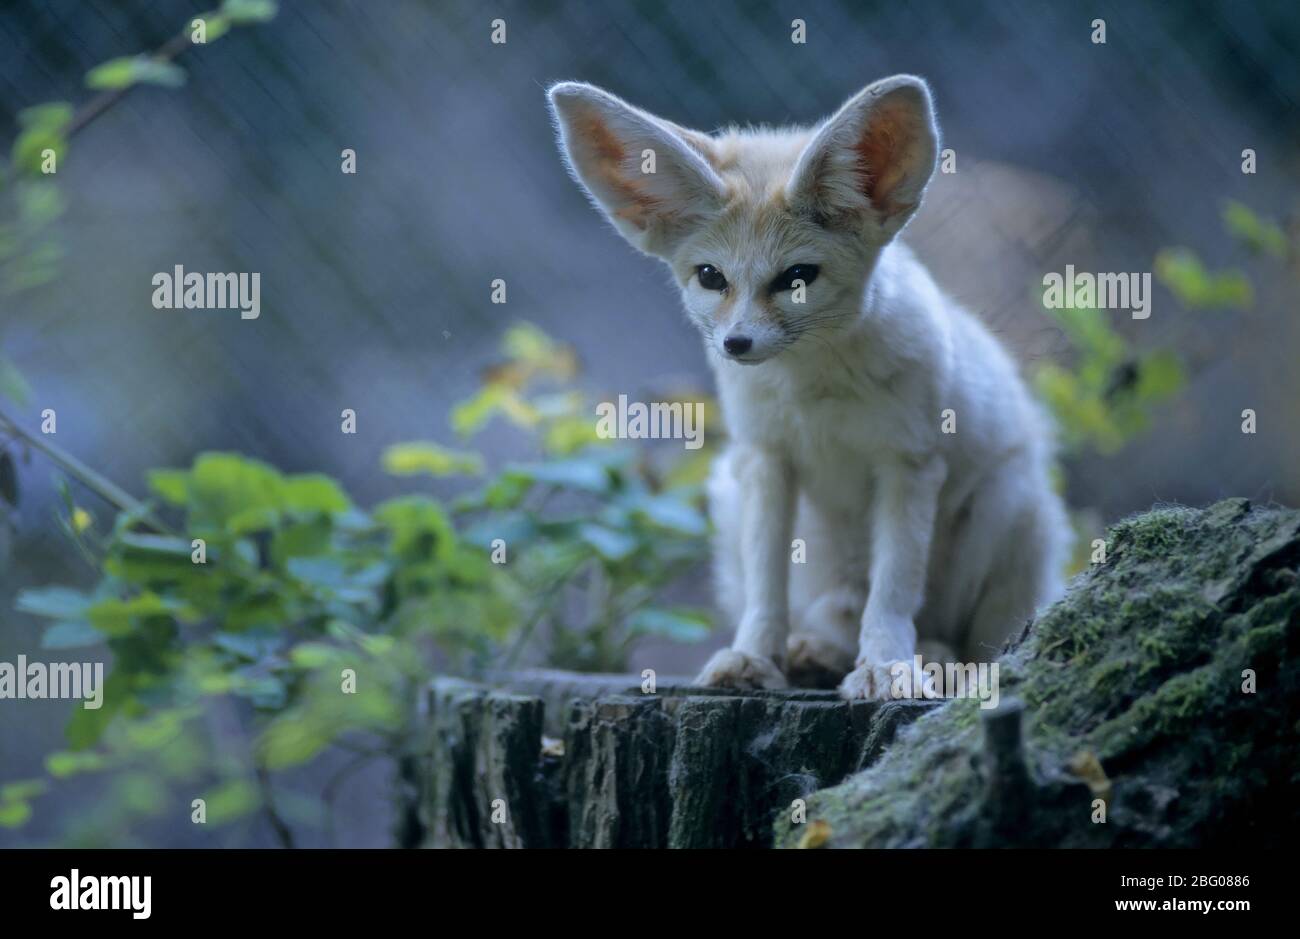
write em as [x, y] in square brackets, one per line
[1026, 577]
[1001, 557]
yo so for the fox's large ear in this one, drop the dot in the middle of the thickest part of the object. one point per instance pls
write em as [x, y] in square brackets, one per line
[652, 178]
[872, 159]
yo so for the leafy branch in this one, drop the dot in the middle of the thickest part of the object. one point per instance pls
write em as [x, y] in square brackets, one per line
[29, 254]
[294, 591]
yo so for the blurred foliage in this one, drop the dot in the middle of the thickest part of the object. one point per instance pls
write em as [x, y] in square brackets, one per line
[1259, 235]
[1106, 395]
[260, 589]
[1182, 272]
[31, 203]
[594, 527]
[272, 591]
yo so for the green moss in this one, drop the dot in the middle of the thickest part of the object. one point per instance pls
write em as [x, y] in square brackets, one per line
[1141, 664]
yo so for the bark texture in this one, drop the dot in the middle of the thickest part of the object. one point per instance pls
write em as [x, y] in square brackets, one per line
[554, 759]
[1157, 704]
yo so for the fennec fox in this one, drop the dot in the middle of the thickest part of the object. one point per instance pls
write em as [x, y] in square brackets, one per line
[888, 474]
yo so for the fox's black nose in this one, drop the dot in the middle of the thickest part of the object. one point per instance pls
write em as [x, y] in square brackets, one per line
[737, 345]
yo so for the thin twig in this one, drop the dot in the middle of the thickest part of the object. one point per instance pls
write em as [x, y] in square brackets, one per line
[97, 483]
[106, 99]
[278, 825]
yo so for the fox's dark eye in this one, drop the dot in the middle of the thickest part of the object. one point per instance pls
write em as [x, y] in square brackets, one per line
[711, 278]
[804, 272]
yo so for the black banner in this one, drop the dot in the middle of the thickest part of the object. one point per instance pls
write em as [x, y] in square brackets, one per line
[330, 888]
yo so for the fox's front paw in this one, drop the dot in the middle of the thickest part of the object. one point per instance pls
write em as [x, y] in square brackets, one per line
[730, 668]
[885, 682]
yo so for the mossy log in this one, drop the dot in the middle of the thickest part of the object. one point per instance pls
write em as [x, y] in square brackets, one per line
[554, 759]
[1157, 705]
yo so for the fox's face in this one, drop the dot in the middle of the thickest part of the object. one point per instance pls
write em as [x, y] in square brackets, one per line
[771, 234]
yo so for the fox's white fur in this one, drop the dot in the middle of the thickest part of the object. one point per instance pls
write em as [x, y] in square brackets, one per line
[836, 408]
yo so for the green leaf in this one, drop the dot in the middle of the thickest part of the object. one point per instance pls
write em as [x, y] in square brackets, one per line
[266, 692]
[253, 519]
[567, 435]
[610, 544]
[507, 490]
[115, 618]
[1182, 272]
[344, 581]
[12, 384]
[62, 603]
[468, 416]
[314, 492]
[71, 635]
[155, 731]
[243, 12]
[1160, 376]
[312, 654]
[1258, 234]
[291, 741]
[132, 70]
[87, 725]
[14, 814]
[55, 115]
[514, 528]
[22, 791]
[378, 646]
[572, 473]
[215, 25]
[140, 792]
[152, 560]
[43, 127]
[419, 526]
[301, 539]
[263, 605]
[231, 800]
[68, 763]
[146, 543]
[249, 647]
[492, 399]
[234, 492]
[28, 154]
[528, 345]
[679, 624]
[668, 511]
[409, 459]
[171, 485]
